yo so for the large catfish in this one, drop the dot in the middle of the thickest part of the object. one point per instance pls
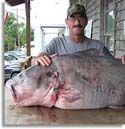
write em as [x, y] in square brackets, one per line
[83, 80]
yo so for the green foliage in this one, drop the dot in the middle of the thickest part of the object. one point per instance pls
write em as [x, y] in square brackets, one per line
[11, 33]
[23, 35]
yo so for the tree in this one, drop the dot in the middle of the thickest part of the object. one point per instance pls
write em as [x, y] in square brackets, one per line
[11, 33]
[23, 35]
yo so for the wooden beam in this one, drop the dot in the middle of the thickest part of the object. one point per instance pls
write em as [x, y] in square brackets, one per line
[27, 8]
[14, 2]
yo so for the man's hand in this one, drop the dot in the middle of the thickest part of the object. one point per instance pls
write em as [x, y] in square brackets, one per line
[43, 59]
[123, 59]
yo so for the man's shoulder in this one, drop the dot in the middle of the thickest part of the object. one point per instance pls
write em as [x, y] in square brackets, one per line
[94, 43]
[93, 40]
[61, 38]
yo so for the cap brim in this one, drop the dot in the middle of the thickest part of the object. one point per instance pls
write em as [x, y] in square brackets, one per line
[74, 12]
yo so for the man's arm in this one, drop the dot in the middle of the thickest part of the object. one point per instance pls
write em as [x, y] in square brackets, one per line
[123, 59]
[44, 58]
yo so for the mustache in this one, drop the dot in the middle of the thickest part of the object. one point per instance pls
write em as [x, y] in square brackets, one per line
[77, 26]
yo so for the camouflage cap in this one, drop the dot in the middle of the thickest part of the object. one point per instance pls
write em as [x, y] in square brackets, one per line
[76, 8]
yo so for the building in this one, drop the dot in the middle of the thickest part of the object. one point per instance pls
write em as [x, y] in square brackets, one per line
[108, 22]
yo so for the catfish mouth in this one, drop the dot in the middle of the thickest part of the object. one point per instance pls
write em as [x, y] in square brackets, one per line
[13, 92]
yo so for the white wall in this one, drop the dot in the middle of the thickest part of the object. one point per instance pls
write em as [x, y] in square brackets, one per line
[46, 12]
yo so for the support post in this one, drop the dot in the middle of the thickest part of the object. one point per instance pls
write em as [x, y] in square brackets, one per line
[28, 46]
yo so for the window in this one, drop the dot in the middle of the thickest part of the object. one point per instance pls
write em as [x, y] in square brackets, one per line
[109, 20]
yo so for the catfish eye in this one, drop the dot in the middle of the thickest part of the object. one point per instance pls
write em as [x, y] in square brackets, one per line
[49, 74]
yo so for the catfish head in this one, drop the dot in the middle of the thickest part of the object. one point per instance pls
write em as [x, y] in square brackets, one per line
[34, 83]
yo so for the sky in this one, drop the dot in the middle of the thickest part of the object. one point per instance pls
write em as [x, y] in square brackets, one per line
[50, 11]
[47, 11]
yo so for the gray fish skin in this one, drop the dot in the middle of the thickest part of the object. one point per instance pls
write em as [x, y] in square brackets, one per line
[83, 80]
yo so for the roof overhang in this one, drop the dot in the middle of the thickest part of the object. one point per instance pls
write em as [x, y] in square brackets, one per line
[15, 2]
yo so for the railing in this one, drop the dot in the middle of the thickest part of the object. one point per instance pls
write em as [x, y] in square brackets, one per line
[26, 63]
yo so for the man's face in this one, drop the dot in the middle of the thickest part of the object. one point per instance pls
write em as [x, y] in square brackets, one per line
[76, 24]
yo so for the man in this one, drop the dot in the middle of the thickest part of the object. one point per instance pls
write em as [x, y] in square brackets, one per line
[76, 21]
